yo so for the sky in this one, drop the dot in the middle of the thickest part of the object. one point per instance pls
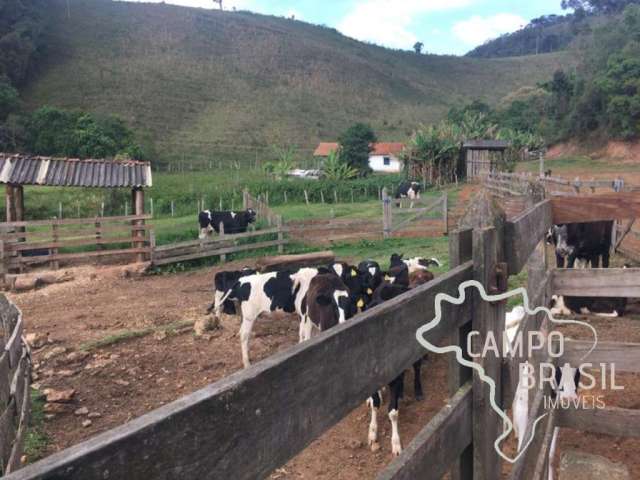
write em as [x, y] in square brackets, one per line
[443, 26]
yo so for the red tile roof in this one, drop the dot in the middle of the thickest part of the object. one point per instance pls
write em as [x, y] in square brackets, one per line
[380, 148]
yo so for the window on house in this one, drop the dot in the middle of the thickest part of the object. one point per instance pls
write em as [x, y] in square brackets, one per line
[387, 161]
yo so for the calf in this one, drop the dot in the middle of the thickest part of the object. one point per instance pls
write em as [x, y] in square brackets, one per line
[409, 190]
[222, 283]
[370, 276]
[387, 291]
[258, 294]
[420, 277]
[600, 306]
[588, 241]
[414, 264]
[325, 304]
[233, 222]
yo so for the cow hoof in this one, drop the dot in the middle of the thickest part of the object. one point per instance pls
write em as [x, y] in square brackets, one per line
[396, 450]
[375, 446]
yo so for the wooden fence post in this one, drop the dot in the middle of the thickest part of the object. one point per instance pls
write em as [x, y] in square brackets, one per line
[138, 209]
[488, 319]
[386, 214]
[245, 200]
[460, 251]
[3, 267]
[445, 213]
[280, 234]
[223, 256]
[54, 251]
[99, 245]
[306, 197]
[335, 195]
[152, 245]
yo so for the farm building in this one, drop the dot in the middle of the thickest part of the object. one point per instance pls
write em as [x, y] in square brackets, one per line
[483, 156]
[385, 156]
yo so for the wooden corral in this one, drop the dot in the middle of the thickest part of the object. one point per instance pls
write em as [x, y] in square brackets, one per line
[15, 381]
[405, 215]
[252, 422]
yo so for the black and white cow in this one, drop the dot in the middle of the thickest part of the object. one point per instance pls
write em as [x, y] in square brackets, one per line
[257, 294]
[387, 291]
[233, 222]
[415, 263]
[600, 306]
[222, 283]
[588, 241]
[371, 277]
[409, 190]
[326, 304]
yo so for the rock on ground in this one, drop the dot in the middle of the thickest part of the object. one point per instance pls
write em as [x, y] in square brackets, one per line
[585, 466]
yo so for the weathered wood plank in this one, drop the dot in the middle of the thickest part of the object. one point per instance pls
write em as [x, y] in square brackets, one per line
[253, 421]
[523, 233]
[74, 221]
[14, 344]
[444, 438]
[8, 429]
[487, 317]
[597, 282]
[211, 242]
[220, 251]
[74, 256]
[592, 208]
[625, 356]
[619, 422]
[279, 262]
[5, 386]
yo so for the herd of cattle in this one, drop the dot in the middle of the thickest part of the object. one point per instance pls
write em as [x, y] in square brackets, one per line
[322, 298]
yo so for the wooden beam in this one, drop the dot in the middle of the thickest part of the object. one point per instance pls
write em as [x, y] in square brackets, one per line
[619, 422]
[625, 356]
[524, 233]
[255, 420]
[592, 208]
[597, 282]
[488, 319]
[270, 264]
[439, 443]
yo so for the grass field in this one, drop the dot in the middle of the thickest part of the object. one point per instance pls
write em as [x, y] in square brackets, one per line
[208, 86]
[567, 166]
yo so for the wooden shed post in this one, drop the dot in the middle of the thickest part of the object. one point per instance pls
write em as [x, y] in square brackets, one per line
[18, 195]
[10, 203]
[137, 202]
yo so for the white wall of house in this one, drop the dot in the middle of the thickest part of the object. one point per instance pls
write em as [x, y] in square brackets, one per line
[385, 163]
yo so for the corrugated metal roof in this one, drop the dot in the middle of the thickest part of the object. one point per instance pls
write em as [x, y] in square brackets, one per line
[486, 144]
[72, 172]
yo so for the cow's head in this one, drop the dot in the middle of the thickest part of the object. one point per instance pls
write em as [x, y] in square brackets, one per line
[396, 259]
[251, 215]
[204, 219]
[561, 238]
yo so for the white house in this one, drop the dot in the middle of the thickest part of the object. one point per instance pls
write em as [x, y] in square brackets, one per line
[384, 157]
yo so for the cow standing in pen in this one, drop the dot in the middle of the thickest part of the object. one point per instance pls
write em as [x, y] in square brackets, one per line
[232, 221]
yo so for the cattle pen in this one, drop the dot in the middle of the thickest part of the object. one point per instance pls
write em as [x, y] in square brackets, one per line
[250, 423]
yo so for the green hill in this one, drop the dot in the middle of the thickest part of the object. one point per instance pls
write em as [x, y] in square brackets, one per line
[202, 83]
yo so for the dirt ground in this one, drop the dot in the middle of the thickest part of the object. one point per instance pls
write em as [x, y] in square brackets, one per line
[128, 378]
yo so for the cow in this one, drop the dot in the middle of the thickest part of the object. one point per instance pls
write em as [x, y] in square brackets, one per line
[610, 307]
[257, 294]
[387, 291]
[371, 277]
[326, 304]
[420, 277]
[233, 222]
[410, 190]
[587, 241]
[415, 263]
[222, 283]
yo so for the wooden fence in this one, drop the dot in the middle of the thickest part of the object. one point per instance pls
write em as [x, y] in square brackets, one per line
[252, 422]
[52, 242]
[400, 216]
[15, 374]
[219, 246]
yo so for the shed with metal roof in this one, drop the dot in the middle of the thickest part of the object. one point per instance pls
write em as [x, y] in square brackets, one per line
[483, 156]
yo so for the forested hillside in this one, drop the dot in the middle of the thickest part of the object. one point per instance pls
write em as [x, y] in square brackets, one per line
[201, 83]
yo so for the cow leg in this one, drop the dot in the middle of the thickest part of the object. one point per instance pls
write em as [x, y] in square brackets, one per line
[571, 261]
[374, 403]
[605, 259]
[417, 382]
[396, 387]
[307, 329]
[559, 261]
[245, 334]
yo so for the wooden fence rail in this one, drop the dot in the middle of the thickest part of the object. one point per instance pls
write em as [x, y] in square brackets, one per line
[15, 374]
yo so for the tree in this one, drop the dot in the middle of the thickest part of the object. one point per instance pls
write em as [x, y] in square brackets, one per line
[418, 46]
[219, 2]
[8, 100]
[355, 145]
